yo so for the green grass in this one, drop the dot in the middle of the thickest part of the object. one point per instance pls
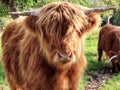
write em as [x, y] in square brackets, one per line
[112, 84]
[2, 75]
[91, 52]
[93, 65]
[0, 48]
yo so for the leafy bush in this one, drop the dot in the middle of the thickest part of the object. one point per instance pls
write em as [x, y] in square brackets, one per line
[116, 17]
[3, 10]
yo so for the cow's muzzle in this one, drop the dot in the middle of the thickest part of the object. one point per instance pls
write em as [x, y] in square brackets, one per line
[65, 57]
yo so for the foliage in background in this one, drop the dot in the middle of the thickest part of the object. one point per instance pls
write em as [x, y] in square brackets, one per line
[108, 16]
[23, 5]
[116, 17]
[3, 10]
[28, 4]
[11, 6]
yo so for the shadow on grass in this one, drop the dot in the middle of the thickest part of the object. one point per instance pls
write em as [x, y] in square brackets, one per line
[93, 64]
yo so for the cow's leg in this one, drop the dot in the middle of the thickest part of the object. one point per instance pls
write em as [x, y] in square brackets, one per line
[12, 84]
[114, 67]
[73, 79]
[118, 66]
[100, 52]
[75, 73]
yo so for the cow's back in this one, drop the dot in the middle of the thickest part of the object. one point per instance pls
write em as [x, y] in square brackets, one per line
[108, 40]
[107, 35]
[113, 40]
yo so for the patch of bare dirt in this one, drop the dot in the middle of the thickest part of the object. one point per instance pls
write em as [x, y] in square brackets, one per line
[96, 79]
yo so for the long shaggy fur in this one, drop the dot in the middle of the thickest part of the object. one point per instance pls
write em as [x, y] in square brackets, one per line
[31, 47]
[109, 42]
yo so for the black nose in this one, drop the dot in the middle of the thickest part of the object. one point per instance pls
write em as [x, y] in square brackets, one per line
[65, 57]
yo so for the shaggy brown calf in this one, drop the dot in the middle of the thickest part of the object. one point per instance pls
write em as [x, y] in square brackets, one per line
[109, 41]
[45, 50]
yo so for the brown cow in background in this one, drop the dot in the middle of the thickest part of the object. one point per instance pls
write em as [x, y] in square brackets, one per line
[45, 50]
[109, 41]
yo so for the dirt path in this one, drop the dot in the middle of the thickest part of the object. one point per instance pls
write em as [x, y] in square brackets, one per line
[96, 79]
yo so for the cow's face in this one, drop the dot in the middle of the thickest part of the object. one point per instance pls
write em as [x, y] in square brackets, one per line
[60, 29]
[115, 60]
[62, 46]
[61, 38]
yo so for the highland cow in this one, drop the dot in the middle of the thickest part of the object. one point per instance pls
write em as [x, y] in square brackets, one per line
[45, 50]
[109, 42]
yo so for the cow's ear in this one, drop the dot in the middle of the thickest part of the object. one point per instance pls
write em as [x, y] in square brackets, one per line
[93, 14]
[94, 20]
[30, 24]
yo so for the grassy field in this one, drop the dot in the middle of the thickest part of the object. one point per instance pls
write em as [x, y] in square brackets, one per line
[93, 65]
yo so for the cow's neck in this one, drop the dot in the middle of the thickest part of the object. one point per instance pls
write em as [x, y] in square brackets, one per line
[55, 79]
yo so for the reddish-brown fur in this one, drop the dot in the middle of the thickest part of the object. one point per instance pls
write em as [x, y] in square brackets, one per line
[109, 41]
[46, 52]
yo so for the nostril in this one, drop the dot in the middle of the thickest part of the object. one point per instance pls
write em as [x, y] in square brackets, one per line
[67, 56]
[60, 55]
[64, 57]
[70, 55]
